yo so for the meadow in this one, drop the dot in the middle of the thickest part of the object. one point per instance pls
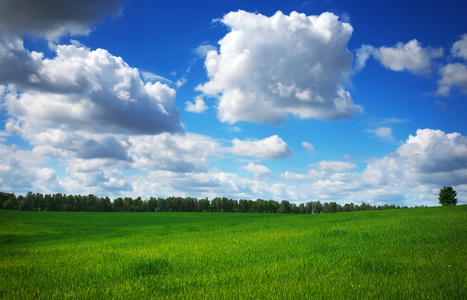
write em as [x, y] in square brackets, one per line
[417, 253]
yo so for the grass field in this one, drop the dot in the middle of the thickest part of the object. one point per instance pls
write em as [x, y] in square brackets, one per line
[418, 253]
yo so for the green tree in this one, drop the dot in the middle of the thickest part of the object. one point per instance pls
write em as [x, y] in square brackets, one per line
[447, 196]
[118, 204]
[204, 204]
[317, 207]
[284, 207]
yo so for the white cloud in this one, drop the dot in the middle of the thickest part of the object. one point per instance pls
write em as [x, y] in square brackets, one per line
[412, 175]
[362, 55]
[308, 146]
[271, 147]
[334, 166]
[459, 49]
[384, 133]
[81, 144]
[181, 82]
[204, 184]
[310, 175]
[148, 76]
[178, 153]
[198, 107]
[88, 90]
[267, 68]
[433, 156]
[101, 177]
[258, 170]
[410, 56]
[51, 19]
[203, 50]
[452, 75]
[22, 171]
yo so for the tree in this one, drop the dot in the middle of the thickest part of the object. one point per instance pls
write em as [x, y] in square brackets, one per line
[317, 207]
[447, 196]
[284, 207]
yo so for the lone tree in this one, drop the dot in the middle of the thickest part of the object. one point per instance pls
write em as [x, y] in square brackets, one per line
[447, 196]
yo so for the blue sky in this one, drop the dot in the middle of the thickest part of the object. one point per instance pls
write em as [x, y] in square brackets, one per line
[346, 101]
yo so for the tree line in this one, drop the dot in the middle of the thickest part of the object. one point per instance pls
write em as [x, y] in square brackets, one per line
[91, 203]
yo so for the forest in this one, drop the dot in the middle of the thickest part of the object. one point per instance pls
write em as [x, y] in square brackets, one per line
[91, 203]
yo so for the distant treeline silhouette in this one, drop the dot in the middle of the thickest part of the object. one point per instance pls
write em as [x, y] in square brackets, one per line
[91, 203]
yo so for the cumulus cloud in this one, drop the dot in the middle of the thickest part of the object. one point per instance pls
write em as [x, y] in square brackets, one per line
[334, 166]
[412, 175]
[271, 147]
[204, 184]
[459, 49]
[308, 146]
[454, 74]
[410, 56]
[88, 90]
[433, 156]
[258, 170]
[177, 153]
[81, 144]
[270, 67]
[23, 170]
[310, 175]
[198, 107]
[100, 181]
[51, 19]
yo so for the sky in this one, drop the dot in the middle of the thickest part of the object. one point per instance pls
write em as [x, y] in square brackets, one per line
[344, 101]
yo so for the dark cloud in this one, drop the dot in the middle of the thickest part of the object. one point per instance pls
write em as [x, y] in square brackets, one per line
[51, 18]
[109, 147]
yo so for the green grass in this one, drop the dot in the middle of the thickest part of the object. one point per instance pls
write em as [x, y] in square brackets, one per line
[395, 254]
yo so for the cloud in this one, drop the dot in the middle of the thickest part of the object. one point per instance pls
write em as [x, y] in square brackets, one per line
[310, 175]
[203, 184]
[410, 56]
[22, 171]
[334, 166]
[412, 175]
[384, 133]
[308, 146]
[198, 107]
[362, 55]
[95, 176]
[258, 170]
[177, 153]
[203, 50]
[148, 76]
[80, 144]
[459, 49]
[452, 75]
[88, 90]
[271, 147]
[270, 67]
[51, 19]
[433, 156]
